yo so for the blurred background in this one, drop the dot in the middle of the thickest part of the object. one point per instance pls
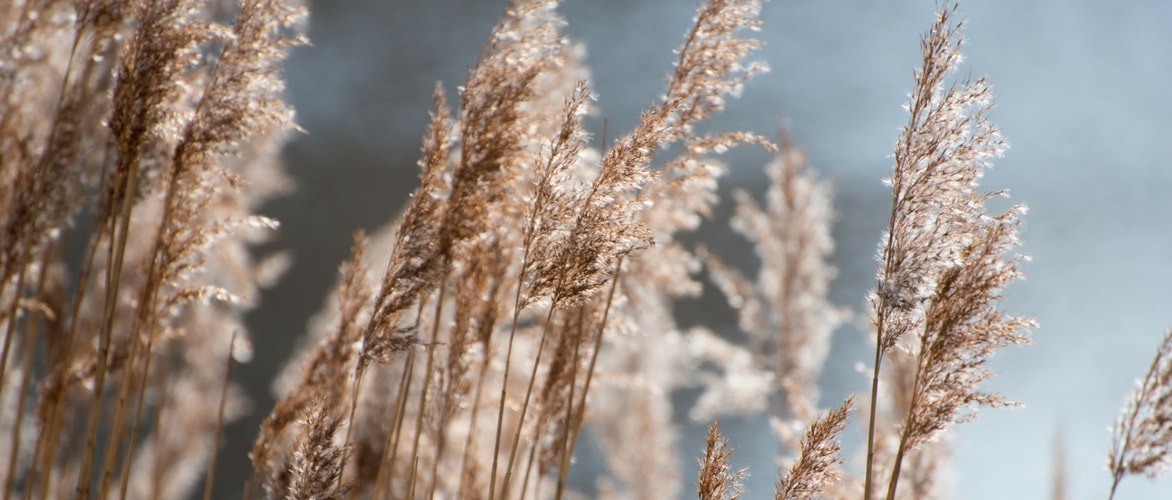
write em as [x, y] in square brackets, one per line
[1083, 101]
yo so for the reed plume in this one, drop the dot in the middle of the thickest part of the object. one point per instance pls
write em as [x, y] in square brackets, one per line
[717, 480]
[524, 300]
[161, 126]
[819, 456]
[1141, 434]
[944, 260]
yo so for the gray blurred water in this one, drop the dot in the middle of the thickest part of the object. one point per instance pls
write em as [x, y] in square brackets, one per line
[1082, 98]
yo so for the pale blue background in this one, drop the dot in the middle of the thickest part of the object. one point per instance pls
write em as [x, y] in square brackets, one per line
[1083, 99]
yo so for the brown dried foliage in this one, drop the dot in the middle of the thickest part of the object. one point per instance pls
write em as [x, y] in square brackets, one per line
[944, 260]
[522, 242]
[136, 111]
[717, 480]
[819, 457]
[1142, 435]
[316, 465]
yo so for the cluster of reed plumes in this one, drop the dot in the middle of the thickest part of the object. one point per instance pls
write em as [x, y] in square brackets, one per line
[524, 295]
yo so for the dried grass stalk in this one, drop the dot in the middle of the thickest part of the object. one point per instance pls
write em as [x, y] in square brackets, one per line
[1142, 436]
[944, 260]
[717, 480]
[819, 457]
[316, 465]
